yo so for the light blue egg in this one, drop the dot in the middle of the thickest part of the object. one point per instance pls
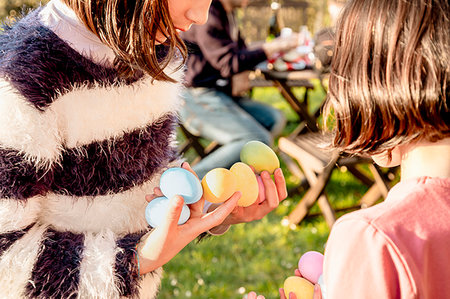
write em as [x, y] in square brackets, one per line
[156, 212]
[179, 181]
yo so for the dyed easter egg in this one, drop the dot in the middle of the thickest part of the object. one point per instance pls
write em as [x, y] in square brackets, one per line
[260, 156]
[179, 181]
[302, 288]
[310, 265]
[156, 212]
[246, 183]
[218, 185]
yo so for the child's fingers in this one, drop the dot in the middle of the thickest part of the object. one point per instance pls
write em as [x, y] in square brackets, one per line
[197, 207]
[187, 166]
[297, 273]
[281, 292]
[173, 213]
[317, 292]
[217, 216]
[156, 193]
[292, 296]
[261, 190]
[271, 190]
[280, 182]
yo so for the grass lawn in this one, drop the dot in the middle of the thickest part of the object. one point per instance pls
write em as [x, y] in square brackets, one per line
[256, 256]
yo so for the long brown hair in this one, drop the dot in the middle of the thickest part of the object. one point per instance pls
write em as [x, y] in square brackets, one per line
[129, 28]
[389, 81]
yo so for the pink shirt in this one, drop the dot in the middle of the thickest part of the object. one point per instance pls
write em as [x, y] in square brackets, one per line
[397, 249]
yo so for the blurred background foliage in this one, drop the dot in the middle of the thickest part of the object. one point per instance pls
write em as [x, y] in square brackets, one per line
[14, 8]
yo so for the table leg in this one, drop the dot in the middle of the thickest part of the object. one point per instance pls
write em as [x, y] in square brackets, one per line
[299, 107]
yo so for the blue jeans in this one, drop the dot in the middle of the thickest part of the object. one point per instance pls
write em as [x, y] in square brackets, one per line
[216, 116]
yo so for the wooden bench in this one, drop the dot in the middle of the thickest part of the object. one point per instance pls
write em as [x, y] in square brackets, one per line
[317, 163]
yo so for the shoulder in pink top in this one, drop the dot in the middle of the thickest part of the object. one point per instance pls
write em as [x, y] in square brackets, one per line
[397, 249]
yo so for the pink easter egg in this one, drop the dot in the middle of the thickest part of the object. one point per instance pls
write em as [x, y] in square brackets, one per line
[310, 265]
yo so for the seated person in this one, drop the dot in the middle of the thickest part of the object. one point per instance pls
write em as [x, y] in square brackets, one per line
[216, 76]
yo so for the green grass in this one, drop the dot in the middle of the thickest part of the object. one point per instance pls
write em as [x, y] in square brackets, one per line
[257, 256]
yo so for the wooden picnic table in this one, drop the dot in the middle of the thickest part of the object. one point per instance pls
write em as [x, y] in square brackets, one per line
[285, 81]
[317, 163]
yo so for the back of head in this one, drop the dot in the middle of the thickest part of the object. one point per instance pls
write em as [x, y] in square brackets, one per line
[130, 28]
[389, 82]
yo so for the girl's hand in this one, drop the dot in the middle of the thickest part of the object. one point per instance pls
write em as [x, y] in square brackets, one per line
[271, 193]
[317, 294]
[283, 296]
[317, 291]
[161, 244]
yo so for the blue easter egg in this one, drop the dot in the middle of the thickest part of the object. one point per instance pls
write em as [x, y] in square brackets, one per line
[156, 212]
[179, 181]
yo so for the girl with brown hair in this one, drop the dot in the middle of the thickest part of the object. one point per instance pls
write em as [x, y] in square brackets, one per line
[89, 99]
[389, 98]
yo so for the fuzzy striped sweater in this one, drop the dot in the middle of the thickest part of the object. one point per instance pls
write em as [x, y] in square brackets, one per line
[79, 149]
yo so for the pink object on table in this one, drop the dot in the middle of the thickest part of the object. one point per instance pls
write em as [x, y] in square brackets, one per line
[310, 265]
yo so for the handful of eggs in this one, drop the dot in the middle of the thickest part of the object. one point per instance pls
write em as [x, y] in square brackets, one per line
[310, 266]
[219, 183]
[174, 181]
[217, 186]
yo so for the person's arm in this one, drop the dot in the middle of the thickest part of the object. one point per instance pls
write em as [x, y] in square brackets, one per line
[221, 51]
[361, 262]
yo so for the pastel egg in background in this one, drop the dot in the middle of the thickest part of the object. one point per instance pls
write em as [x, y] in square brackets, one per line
[156, 212]
[260, 156]
[310, 265]
[179, 181]
[247, 183]
[301, 287]
[218, 185]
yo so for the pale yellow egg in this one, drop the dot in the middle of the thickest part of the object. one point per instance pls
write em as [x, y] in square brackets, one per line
[302, 288]
[218, 185]
[260, 156]
[246, 183]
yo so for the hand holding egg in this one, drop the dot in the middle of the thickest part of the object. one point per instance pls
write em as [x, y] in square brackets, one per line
[156, 211]
[302, 288]
[219, 184]
[174, 181]
[310, 267]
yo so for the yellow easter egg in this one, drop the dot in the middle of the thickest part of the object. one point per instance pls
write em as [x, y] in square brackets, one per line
[260, 156]
[218, 185]
[302, 288]
[246, 184]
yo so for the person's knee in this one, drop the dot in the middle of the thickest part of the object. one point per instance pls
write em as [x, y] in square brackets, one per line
[263, 136]
[279, 124]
